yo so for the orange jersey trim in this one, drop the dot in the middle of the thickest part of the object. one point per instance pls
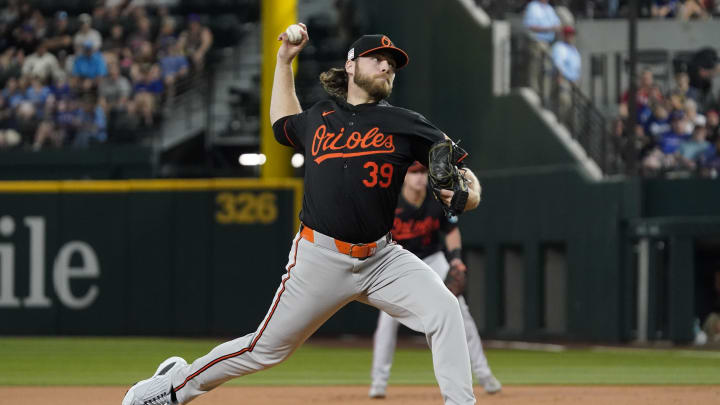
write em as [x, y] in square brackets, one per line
[286, 135]
[354, 154]
[407, 58]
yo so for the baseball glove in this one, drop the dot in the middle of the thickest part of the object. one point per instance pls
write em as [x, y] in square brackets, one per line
[456, 279]
[443, 173]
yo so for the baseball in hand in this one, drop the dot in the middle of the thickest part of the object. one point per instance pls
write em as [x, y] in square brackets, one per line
[294, 34]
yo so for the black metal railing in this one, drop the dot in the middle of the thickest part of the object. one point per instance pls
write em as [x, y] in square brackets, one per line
[185, 102]
[532, 66]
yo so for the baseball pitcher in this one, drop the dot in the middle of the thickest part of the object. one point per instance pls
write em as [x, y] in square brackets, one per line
[357, 149]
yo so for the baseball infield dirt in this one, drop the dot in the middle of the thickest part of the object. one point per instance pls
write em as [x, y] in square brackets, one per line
[357, 395]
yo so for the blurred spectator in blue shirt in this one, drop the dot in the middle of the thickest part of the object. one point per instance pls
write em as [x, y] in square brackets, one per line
[91, 126]
[37, 93]
[566, 59]
[148, 90]
[166, 38]
[566, 56]
[12, 93]
[645, 114]
[174, 66]
[66, 115]
[664, 154]
[540, 18]
[659, 122]
[61, 89]
[151, 82]
[542, 21]
[670, 141]
[89, 64]
[693, 152]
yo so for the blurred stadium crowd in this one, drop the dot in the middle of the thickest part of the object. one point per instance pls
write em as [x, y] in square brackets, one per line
[76, 80]
[677, 130]
[110, 73]
[684, 9]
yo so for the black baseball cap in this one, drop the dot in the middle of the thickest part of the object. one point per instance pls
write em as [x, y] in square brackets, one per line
[370, 43]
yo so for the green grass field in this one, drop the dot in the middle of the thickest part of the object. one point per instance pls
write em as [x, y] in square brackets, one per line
[120, 361]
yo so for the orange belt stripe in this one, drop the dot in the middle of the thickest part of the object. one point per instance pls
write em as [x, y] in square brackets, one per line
[356, 250]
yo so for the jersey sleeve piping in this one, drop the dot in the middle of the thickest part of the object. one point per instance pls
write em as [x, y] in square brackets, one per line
[286, 134]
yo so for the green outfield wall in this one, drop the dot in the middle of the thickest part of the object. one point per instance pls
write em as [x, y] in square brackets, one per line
[551, 256]
[159, 257]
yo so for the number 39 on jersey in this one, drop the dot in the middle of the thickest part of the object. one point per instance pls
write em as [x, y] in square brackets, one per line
[378, 175]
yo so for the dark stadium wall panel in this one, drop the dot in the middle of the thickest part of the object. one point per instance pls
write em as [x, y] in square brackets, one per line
[597, 226]
[143, 257]
[205, 257]
[557, 208]
[98, 162]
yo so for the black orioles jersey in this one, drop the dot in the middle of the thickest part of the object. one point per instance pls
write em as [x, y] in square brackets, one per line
[355, 163]
[418, 229]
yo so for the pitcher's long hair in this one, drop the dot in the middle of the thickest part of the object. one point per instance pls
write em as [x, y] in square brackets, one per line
[335, 82]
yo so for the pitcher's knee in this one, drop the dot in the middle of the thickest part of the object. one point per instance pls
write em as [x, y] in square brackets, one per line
[271, 359]
[271, 356]
[446, 306]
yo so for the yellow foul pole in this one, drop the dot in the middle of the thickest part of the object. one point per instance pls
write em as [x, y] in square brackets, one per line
[276, 16]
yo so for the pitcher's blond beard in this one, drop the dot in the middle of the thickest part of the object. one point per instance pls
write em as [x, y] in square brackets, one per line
[376, 91]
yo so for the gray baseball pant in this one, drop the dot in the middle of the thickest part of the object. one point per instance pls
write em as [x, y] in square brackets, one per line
[318, 282]
[385, 338]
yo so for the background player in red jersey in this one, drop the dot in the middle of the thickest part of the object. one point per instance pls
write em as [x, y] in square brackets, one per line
[419, 224]
[357, 149]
